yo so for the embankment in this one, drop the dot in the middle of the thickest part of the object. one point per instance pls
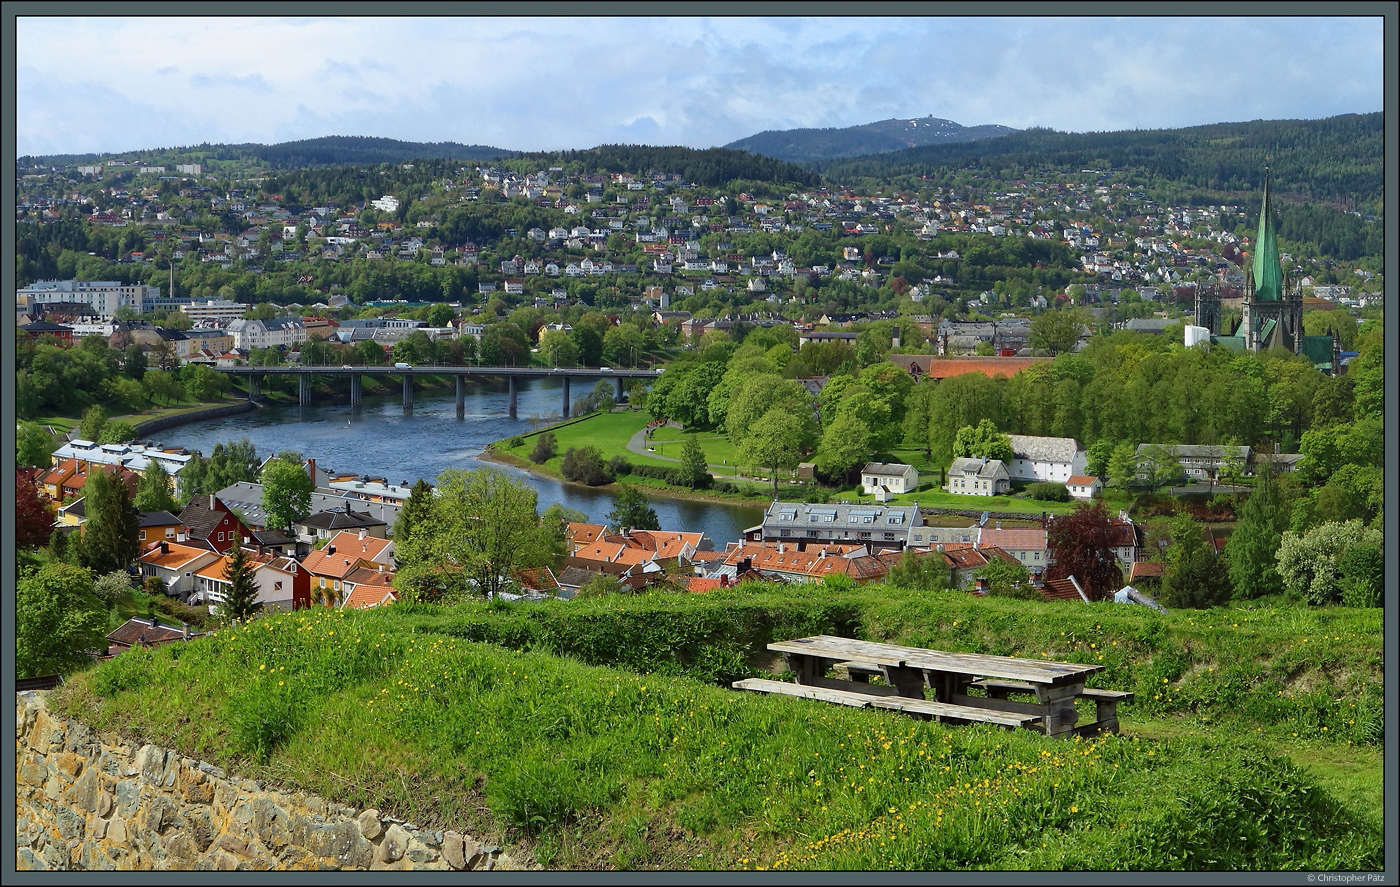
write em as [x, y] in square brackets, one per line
[98, 801]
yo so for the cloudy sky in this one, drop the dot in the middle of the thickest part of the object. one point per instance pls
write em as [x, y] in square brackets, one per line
[117, 84]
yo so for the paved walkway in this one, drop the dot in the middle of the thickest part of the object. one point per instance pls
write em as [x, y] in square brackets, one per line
[638, 445]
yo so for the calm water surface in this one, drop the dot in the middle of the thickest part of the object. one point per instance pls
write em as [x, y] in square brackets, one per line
[380, 440]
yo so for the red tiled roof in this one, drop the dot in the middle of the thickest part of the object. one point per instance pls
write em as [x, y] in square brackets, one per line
[947, 367]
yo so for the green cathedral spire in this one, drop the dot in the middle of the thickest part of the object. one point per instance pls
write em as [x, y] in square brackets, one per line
[1268, 273]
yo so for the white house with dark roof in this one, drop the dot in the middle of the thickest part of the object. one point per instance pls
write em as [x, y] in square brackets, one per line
[891, 477]
[978, 477]
[1052, 459]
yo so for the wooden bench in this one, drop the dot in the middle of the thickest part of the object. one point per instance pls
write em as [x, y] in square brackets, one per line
[1105, 701]
[938, 711]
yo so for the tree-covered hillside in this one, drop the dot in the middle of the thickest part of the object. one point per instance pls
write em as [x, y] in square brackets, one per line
[326, 151]
[712, 166]
[1338, 159]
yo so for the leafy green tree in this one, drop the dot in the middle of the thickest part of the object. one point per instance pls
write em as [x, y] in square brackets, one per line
[33, 446]
[1057, 330]
[232, 463]
[773, 442]
[984, 441]
[1161, 465]
[112, 588]
[546, 447]
[844, 447]
[921, 572]
[558, 349]
[484, 528]
[110, 538]
[1194, 576]
[694, 470]
[194, 478]
[1008, 579]
[1122, 465]
[203, 384]
[240, 601]
[59, 621]
[134, 361]
[162, 386]
[1311, 563]
[118, 431]
[287, 490]
[155, 490]
[585, 465]
[94, 418]
[631, 511]
[1098, 457]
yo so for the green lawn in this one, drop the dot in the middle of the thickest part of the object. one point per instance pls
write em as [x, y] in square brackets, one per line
[720, 454]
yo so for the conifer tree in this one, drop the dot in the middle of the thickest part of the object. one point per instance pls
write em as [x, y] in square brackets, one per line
[240, 601]
[1253, 547]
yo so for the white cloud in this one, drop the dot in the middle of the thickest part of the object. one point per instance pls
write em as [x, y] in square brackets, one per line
[547, 83]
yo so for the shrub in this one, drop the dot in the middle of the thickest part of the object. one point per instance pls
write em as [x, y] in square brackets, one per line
[515, 441]
[585, 465]
[546, 447]
[1048, 492]
[619, 466]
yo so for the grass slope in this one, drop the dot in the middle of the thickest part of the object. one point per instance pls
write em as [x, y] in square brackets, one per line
[584, 729]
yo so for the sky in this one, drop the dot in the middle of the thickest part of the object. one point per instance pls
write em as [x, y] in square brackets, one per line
[91, 84]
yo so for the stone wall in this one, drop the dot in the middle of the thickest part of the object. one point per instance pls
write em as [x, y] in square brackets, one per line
[90, 801]
[151, 426]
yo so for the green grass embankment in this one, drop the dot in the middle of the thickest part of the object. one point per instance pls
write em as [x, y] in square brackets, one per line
[593, 732]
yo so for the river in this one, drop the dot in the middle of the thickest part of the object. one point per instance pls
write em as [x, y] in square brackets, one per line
[381, 440]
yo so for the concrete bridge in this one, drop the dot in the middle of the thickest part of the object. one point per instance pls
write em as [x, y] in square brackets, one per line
[255, 375]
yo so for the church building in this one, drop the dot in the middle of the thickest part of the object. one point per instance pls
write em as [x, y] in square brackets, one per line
[1272, 308]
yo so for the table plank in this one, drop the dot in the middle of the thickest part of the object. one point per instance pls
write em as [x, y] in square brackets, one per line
[1042, 672]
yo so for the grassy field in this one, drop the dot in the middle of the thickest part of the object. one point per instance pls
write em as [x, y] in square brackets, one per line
[601, 733]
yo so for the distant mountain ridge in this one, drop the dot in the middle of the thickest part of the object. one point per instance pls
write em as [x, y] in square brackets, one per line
[881, 137]
[324, 151]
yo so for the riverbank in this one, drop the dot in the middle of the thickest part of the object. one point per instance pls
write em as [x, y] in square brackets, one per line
[498, 454]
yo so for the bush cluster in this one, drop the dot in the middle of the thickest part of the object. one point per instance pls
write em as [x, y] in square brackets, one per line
[585, 465]
[1048, 492]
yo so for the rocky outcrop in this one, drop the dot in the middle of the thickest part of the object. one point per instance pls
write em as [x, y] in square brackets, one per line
[89, 801]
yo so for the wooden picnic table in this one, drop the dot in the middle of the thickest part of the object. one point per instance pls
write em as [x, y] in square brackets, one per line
[1053, 687]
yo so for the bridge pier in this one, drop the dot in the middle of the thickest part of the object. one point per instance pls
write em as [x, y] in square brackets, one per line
[304, 389]
[407, 394]
[619, 389]
[510, 380]
[355, 391]
[253, 387]
[565, 412]
[461, 396]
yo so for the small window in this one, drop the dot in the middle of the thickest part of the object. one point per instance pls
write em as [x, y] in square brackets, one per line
[143, 535]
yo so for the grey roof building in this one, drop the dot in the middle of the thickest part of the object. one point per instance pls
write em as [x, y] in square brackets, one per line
[878, 526]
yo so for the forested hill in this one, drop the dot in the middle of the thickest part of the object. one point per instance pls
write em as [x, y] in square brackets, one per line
[711, 166]
[806, 145]
[326, 151]
[1337, 159]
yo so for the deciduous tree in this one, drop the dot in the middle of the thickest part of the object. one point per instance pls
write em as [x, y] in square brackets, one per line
[59, 622]
[155, 492]
[1252, 551]
[110, 538]
[287, 490]
[33, 514]
[983, 441]
[694, 471]
[33, 446]
[773, 442]
[631, 511]
[1082, 545]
